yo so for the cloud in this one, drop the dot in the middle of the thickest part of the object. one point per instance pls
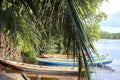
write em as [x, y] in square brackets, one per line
[113, 20]
[111, 7]
[110, 29]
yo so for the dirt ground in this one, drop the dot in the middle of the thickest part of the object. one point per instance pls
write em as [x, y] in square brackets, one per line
[10, 76]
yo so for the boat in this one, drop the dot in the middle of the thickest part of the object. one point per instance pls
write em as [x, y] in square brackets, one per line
[70, 55]
[41, 70]
[96, 58]
[101, 57]
[70, 62]
[102, 62]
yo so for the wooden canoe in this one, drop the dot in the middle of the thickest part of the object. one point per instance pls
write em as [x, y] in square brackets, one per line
[70, 62]
[42, 70]
[60, 55]
[102, 57]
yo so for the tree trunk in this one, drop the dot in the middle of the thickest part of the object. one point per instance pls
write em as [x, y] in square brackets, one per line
[7, 51]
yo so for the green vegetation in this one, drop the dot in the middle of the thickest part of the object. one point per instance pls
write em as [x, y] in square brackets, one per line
[26, 26]
[93, 28]
[107, 35]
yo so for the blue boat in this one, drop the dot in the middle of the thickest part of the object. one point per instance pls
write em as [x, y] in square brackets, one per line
[103, 62]
[50, 62]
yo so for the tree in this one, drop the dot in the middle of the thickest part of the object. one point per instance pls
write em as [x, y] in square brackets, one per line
[107, 35]
[31, 23]
[93, 28]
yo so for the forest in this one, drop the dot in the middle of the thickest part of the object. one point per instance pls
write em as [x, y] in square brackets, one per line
[26, 26]
[107, 35]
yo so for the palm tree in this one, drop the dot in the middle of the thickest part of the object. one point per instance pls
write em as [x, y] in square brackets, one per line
[28, 24]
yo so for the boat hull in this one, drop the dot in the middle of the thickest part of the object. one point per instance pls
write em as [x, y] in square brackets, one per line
[49, 62]
[41, 70]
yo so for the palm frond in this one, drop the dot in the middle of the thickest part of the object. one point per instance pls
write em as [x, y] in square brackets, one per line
[31, 24]
[84, 42]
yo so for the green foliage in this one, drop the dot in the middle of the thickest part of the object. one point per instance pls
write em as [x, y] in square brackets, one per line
[107, 35]
[29, 57]
[21, 29]
[31, 24]
[93, 28]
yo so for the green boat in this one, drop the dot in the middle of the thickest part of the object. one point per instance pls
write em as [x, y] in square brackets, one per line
[96, 58]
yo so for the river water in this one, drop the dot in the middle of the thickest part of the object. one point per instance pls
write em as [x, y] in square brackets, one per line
[111, 71]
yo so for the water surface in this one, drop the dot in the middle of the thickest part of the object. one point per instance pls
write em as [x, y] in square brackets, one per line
[111, 71]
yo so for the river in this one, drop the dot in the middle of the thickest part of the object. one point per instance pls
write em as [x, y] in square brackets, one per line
[111, 71]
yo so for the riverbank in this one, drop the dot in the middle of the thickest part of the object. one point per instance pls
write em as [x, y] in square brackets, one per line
[18, 76]
[11, 76]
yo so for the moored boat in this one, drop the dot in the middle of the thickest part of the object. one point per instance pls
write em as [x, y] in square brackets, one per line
[96, 58]
[70, 62]
[41, 70]
[101, 57]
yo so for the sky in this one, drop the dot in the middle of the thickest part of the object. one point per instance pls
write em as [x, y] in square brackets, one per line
[112, 9]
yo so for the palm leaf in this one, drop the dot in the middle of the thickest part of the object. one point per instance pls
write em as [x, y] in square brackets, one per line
[83, 39]
[31, 24]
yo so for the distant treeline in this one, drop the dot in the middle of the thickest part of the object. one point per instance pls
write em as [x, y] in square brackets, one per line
[107, 35]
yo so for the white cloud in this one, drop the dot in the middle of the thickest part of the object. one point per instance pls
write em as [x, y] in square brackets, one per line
[111, 7]
[110, 29]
